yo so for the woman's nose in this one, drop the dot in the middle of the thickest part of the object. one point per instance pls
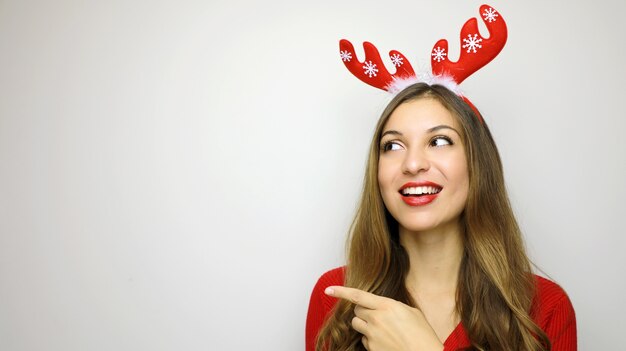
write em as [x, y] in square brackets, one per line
[415, 161]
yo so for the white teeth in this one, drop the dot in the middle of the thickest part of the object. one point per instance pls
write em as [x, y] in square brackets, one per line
[420, 190]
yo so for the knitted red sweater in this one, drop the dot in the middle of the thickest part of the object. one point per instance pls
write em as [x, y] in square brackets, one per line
[555, 314]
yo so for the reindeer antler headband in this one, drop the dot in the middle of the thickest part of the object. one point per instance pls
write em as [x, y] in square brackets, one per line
[476, 52]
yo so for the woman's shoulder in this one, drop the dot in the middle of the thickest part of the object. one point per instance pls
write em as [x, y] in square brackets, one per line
[554, 313]
[549, 293]
[334, 276]
[321, 304]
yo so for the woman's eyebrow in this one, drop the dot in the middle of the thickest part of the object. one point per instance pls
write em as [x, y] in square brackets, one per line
[394, 132]
[430, 130]
[442, 126]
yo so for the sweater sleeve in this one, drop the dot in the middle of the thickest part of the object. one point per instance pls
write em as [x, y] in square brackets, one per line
[556, 316]
[561, 327]
[321, 305]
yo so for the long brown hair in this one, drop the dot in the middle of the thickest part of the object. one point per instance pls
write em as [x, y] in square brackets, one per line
[496, 286]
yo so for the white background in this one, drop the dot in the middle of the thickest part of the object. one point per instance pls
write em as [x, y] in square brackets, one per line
[175, 175]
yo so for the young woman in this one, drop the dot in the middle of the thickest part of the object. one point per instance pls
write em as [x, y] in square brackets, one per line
[435, 255]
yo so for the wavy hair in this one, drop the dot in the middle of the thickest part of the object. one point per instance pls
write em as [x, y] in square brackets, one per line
[496, 286]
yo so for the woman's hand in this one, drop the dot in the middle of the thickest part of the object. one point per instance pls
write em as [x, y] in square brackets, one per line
[387, 324]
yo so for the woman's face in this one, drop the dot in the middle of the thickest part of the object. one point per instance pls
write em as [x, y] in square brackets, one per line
[422, 168]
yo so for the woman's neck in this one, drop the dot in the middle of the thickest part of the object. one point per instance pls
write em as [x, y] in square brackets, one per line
[435, 258]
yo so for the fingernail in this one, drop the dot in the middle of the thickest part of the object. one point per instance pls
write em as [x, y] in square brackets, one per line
[329, 291]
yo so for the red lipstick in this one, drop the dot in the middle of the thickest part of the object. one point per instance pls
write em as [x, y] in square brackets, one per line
[423, 199]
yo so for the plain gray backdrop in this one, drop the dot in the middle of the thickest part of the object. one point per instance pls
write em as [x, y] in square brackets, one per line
[175, 175]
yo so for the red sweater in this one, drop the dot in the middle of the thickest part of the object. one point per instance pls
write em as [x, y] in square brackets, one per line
[555, 314]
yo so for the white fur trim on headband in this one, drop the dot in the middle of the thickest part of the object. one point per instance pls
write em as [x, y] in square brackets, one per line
[400, 84]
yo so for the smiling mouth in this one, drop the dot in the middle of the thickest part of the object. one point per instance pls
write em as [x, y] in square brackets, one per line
[420, 191]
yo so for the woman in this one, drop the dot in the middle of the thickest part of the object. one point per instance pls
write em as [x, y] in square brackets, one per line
[435, 256]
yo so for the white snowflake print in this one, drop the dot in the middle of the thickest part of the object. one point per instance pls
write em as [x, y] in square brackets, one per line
[396, 60]
[472, 43]
[370, 69]
[490, 15]
[345, 55]
[439, 54]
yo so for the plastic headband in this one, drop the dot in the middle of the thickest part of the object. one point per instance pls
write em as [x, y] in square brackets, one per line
[476, 52]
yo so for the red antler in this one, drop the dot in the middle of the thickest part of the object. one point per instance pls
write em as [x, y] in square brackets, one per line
[476, 51]
[372, 70]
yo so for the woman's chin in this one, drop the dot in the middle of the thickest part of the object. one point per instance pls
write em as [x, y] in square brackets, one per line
[430, 226]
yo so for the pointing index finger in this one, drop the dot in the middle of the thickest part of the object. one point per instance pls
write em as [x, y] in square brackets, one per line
[356, 296]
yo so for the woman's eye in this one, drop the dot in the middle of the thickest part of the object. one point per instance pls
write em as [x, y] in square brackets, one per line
[441, 141]
[391, 146]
